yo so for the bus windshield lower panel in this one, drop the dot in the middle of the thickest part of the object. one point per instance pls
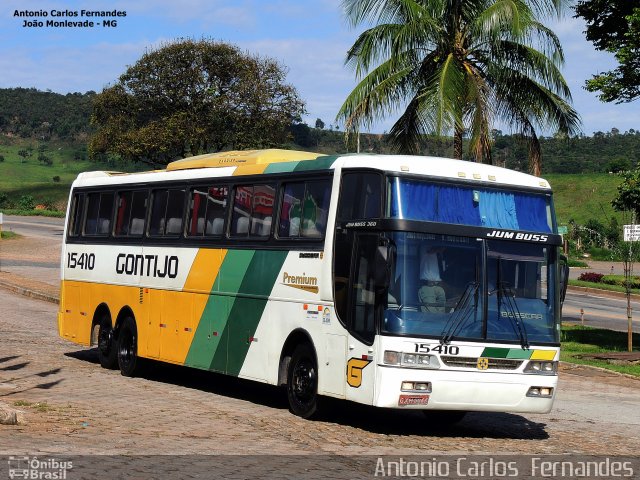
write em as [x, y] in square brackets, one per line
[452, 287]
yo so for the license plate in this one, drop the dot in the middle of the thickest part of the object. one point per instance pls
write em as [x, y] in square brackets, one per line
[405, 400]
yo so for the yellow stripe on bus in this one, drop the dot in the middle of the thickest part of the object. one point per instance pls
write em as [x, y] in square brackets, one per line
[543, 355]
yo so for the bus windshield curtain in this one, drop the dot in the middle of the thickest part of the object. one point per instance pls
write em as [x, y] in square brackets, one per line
[413, 200]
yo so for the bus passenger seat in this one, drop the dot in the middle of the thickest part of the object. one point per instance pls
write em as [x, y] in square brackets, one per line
[173, 226]
[242, 227]
[137, 226]
[104, 225]
[218, 226]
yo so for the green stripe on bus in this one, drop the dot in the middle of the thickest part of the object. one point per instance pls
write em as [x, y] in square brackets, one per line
[515, 353]
[320, 163]
[246, 311]
[214, 318]
[284, 167]
[495, 352]
[519, 353]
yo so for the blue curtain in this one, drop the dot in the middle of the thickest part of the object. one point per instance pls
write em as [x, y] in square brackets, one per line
[414, 200]
[532, 212]
[418, 201]
[498, 209]
[456, 206]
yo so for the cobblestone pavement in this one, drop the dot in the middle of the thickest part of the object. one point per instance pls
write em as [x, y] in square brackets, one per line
[72, 406]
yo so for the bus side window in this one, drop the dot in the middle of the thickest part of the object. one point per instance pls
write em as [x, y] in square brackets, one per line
[216, 209]
[360, 196]
[262, 215]
[98, 219]
[123, 213]
[252, 211]
[166, 212]
[304, 209]
[75, 218]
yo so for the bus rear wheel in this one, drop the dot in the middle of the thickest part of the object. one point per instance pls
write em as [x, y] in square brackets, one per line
[107, 347]
[128, 360]
[302, 382]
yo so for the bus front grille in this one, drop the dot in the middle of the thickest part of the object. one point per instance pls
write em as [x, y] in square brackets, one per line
[472, 362]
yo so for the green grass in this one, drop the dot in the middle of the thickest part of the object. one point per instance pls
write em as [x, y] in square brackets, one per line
[577, 263]
[35, 213]
[20, 177]
[578, 340]
[584, 196]
[601, 286]
[8, 235]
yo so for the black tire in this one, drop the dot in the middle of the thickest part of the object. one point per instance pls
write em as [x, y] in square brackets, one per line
[128, 360]
[443, 418]
[302, 382]
[107, 344]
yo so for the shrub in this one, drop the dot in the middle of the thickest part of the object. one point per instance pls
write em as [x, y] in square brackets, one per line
[56, 179]
[4, 200]
[592, 277]
[26, 202]
[620, 281]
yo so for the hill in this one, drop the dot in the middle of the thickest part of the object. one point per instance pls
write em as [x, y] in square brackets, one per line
[31, 113]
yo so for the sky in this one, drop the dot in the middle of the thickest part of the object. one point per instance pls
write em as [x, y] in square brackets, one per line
[309, 37]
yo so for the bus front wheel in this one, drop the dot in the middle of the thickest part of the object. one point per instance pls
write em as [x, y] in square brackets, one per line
[128, 360]
[107, 348]
[302, 382]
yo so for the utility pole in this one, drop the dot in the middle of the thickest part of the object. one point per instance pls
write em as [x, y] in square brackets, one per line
[631, 236]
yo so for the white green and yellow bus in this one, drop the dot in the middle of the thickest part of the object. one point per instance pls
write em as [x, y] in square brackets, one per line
[394, 281]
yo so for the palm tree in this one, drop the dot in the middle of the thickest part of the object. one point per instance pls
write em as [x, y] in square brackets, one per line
[456, 66]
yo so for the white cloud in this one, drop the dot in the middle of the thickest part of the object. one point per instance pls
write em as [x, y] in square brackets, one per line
[67, 69]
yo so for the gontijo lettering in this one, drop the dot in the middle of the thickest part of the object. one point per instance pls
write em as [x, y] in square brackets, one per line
[147, 265]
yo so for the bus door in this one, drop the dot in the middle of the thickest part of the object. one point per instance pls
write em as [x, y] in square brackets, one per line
[363, 312]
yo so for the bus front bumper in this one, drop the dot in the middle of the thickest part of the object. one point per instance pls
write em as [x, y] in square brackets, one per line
[464, 390]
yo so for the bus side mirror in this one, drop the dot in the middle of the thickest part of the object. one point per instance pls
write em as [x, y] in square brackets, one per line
[384, 266]
[564, 277]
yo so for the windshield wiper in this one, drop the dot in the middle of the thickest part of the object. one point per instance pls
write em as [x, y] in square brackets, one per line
[507, 296]
[467, 304]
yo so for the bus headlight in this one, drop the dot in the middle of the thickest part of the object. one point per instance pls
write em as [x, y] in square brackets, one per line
[422, 387]
[541, 367]
[412, 360]
[540, 392]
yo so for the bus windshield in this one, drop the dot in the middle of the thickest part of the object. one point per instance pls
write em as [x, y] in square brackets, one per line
[451, 287]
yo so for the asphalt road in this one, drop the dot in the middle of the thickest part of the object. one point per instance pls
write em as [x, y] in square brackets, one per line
[600, 311]
[47, 227]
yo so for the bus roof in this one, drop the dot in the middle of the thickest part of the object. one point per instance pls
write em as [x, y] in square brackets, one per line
[242, 157]
[251, 162]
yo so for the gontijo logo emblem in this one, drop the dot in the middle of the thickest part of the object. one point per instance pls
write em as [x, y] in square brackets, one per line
[483, 363]
[354, 371]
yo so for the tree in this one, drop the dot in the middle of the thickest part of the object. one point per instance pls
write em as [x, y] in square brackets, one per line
[458, 65]
[319, 124]
[628, 196]
[614, 26]
[628, 200]
[191, 97]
